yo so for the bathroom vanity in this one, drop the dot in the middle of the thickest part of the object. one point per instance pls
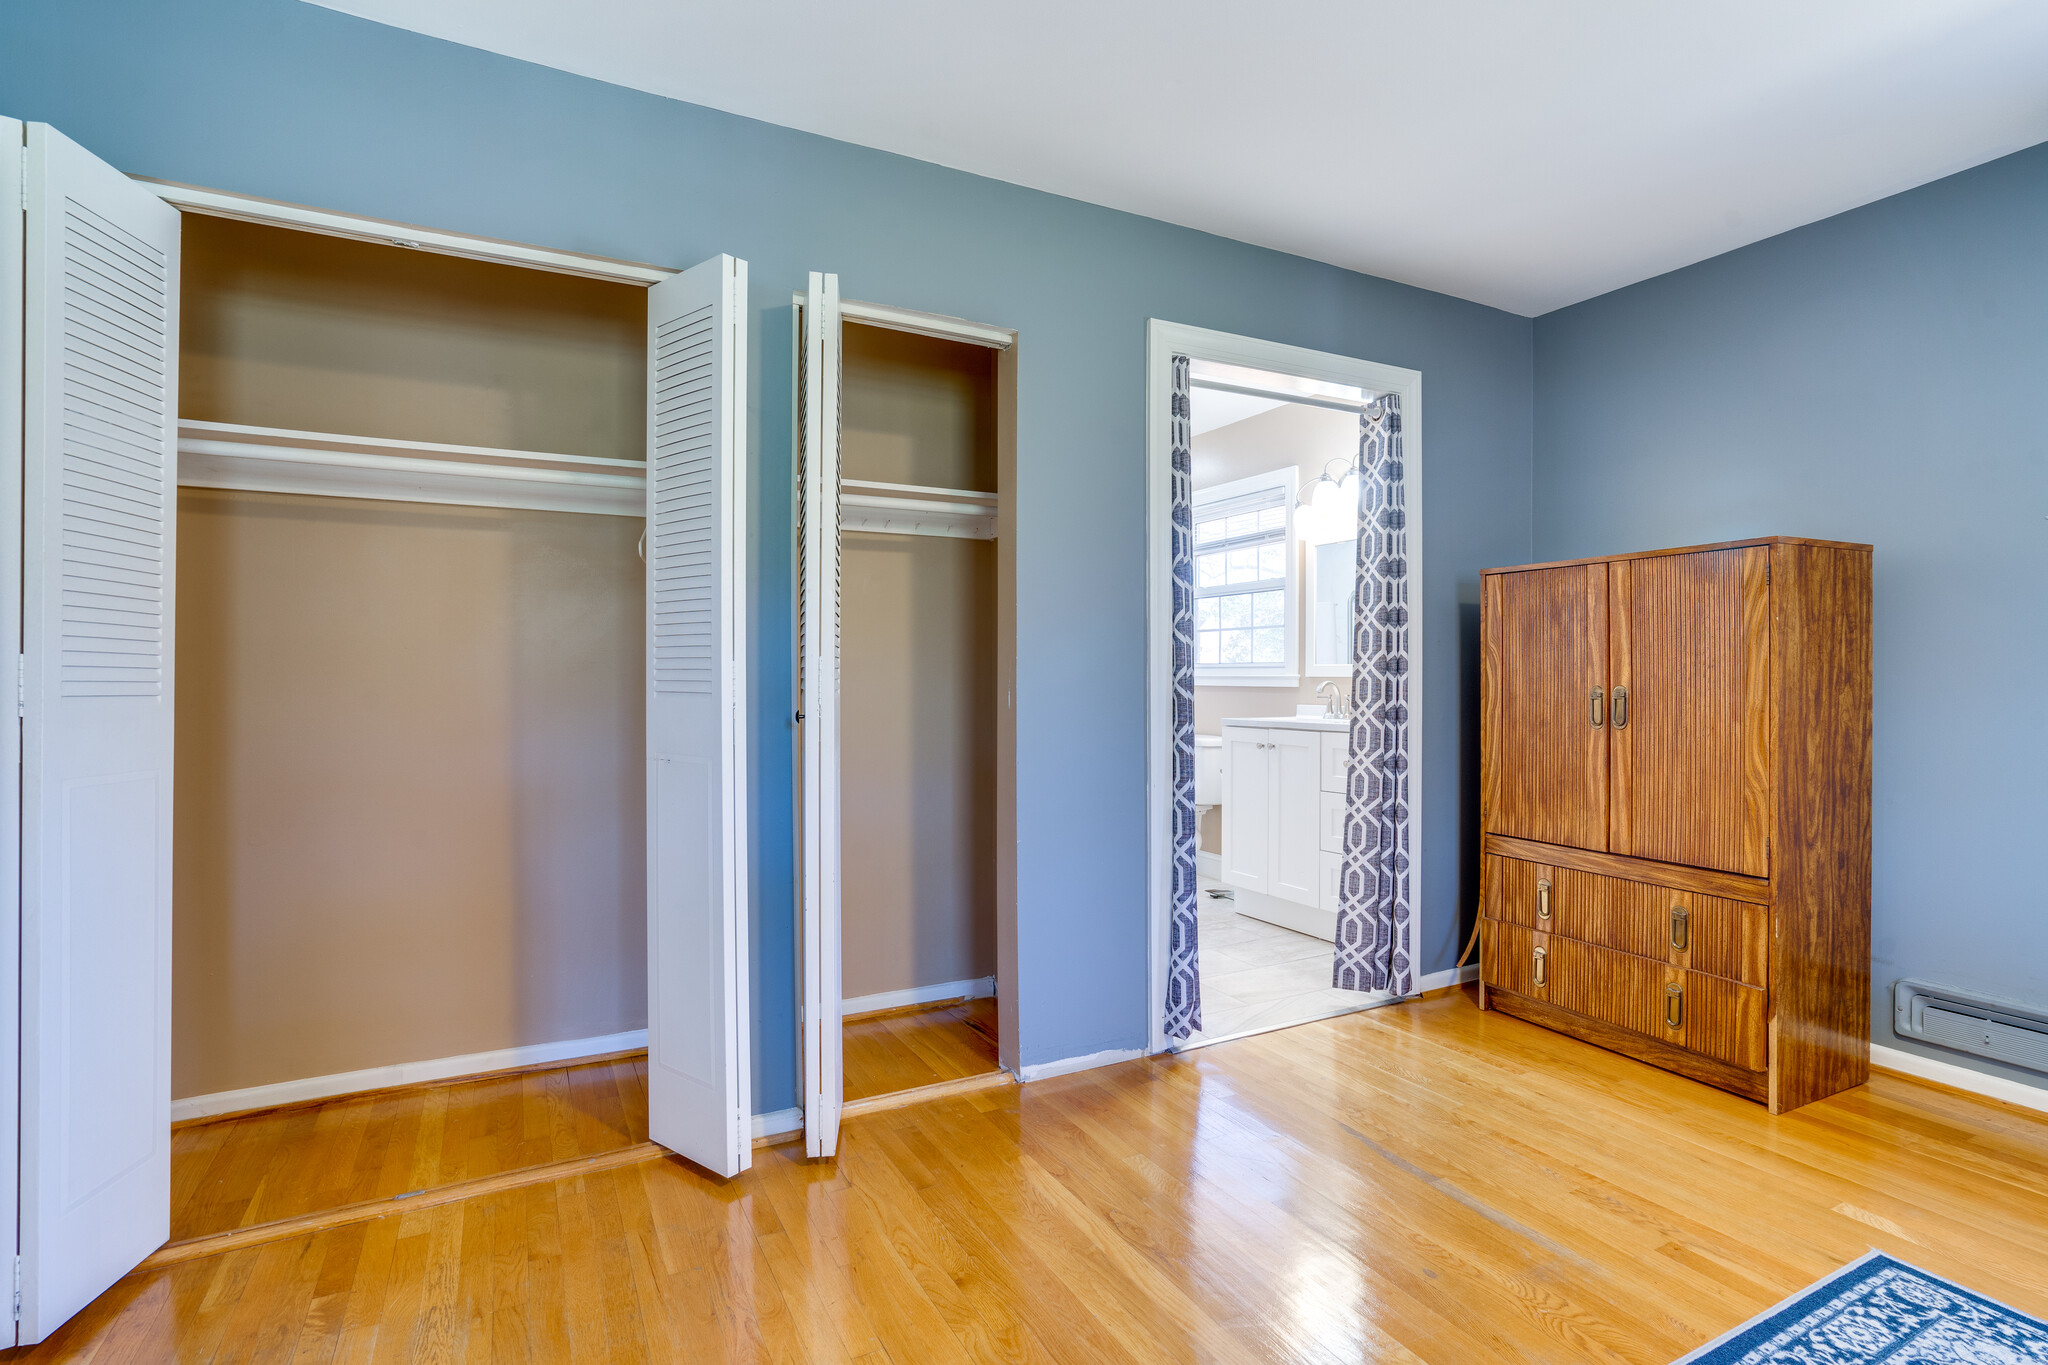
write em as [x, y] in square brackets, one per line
[1283, 818]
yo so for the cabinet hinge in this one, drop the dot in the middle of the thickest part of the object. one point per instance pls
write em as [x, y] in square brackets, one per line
[17, 1288]
[1767, 575]
[20, 686]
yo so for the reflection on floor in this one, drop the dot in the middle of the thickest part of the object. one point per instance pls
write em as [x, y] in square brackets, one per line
[1257, 975]
[893, 1050]
[280, 1163]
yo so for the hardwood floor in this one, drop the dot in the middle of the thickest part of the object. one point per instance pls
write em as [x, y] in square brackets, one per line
[282, 1163]
[1421, 1182]
[893, 1050]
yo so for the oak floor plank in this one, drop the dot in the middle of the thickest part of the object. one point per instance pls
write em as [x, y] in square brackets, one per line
[1420, 1183]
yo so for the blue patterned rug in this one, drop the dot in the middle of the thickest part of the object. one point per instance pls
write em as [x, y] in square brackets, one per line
[1877, 1309]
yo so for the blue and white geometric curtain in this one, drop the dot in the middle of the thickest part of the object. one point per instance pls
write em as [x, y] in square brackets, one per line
[1372, 899]
[1183, 978]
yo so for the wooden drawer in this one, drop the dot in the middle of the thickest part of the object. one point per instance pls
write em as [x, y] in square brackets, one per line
[1508, 959]
[1690, 1010]
[1698, 933]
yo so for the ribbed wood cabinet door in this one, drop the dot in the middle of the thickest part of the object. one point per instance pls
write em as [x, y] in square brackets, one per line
[1689, 712]
[1545, 746]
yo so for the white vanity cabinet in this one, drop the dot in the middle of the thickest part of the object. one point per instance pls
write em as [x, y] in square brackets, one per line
[1283, 820]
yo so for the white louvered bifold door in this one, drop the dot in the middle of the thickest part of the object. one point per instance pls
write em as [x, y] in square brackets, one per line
[99, 483]
[818, 705]
[699, 1025]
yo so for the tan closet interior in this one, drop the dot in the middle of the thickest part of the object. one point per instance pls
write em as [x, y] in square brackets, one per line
[919, 691]
[410, 766]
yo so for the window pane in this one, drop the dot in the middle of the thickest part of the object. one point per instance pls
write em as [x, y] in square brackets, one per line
[1273, 561]
[1243, 524]
[1269, 645]
[1273, 519]
[1207, 531]
[1236, 609]
[1244, 565]
[1269, 609]
[1209, 570]
[1237, 646]
[1206, 614]
[1208, 647]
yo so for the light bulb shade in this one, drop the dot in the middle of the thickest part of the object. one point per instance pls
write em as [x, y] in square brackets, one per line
[1329, 510]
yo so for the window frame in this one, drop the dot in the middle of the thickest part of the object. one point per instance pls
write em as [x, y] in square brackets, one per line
[1286, 480]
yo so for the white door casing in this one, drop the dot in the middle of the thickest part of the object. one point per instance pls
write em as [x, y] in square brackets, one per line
[818, 373]
[13, 156]
[99, 519]
[699, 1019]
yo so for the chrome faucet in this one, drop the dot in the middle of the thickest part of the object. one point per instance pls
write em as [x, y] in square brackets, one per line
[1335, 705]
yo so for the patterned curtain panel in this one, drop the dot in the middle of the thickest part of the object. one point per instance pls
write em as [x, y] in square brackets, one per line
[1183, 980]
[1372, 899]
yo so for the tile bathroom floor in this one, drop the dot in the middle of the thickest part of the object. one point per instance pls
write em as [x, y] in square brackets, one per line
[1257, 975]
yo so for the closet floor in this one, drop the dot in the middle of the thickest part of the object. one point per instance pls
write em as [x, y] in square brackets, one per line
[892, 1050]
[283, 1163]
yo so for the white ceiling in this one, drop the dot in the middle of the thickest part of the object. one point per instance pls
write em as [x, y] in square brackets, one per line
[1526, 155]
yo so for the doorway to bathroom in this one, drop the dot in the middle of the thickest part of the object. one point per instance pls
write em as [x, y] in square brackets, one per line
[1273, 440]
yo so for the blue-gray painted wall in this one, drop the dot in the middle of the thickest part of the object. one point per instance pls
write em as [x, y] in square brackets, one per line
[294, 102]
[1879, 376]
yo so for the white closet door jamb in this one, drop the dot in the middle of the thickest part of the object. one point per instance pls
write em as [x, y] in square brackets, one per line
[699, 1019]
[818, 705]
[12, 158]
[99, 536]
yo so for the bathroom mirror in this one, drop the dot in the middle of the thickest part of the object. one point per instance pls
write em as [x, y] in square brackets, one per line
[1332, 567]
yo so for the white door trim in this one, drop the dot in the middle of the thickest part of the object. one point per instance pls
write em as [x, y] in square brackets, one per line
[1163, 341]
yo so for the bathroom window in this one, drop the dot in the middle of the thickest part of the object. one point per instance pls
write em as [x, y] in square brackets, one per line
[1245, 581]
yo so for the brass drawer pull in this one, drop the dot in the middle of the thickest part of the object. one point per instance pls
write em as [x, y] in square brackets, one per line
[1674, 1006]
[1621, 708]
[1681, 927]
[1543, 898]
[1596, 707]
[1536, 961]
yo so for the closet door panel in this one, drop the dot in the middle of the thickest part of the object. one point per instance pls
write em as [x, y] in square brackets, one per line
[699, 1021]
[1691, 671]
[818, 623]
[98, 524]
[1544, 756]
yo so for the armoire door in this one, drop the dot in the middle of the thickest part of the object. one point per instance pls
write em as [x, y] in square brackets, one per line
[818, 366]
[1545, 663]
[1247, 808]
[98, 507]
[699, 1021]
[1691, 678]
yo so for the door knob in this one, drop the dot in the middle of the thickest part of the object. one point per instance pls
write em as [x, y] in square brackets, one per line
[1537, 961]
[1596, 707]
[1681, 927]
[1674, 1006]
[1543, 898]
[1621, 708]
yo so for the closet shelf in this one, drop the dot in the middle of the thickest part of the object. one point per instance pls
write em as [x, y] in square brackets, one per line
[908, 509]
[276, 460]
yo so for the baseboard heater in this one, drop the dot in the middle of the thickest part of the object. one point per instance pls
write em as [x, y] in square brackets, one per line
[1981, 1025]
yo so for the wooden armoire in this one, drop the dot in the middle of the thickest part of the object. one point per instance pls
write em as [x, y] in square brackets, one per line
[1675, 806]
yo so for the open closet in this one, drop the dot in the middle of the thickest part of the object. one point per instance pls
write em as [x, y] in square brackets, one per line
[459, 703]
[902, 699]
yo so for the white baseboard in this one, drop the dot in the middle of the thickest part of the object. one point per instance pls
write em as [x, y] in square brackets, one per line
[1209, 865]
[1454, 976]
[776, 1124]
[1961, 1077]
[1312, 920]
[1067, 1066]
[400, 1073]
[978, 988]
